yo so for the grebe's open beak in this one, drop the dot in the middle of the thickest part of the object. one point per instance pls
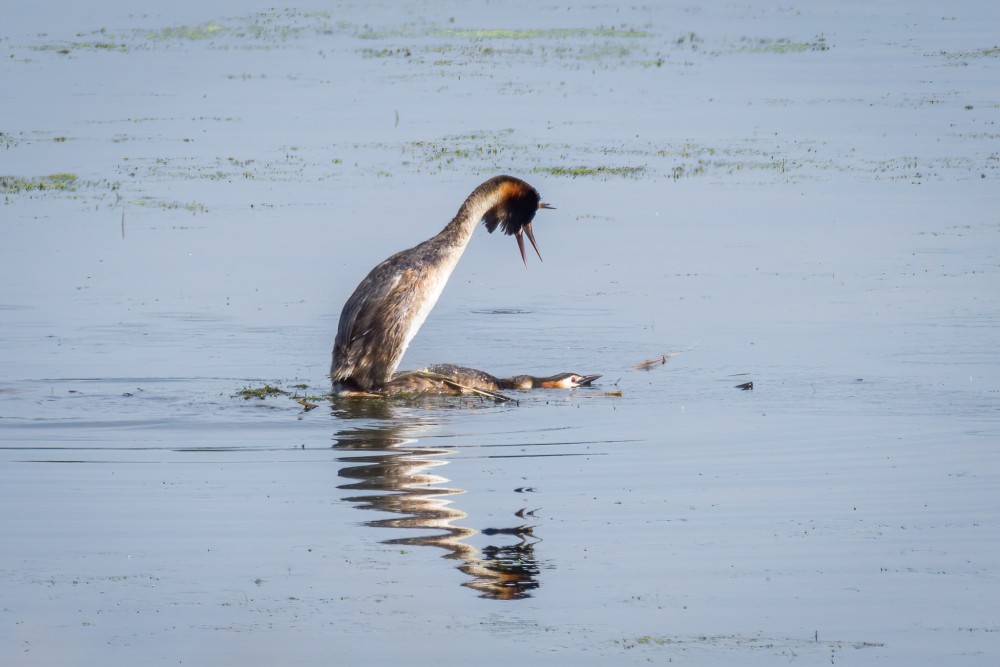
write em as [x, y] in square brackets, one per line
[531, 237]
[565, 381]
[585, 380]
[520, 243]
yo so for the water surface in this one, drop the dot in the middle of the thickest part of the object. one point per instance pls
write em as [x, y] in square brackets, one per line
[802, 198]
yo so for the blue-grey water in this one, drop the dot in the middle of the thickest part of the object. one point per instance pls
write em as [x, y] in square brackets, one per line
[802, 197]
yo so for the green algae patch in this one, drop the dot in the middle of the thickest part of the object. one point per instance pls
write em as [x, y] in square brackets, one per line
[96, 40]
[650, 640]
[306, 400]
[15, 184]
[623, 32]
[183, 32]
[263, 30]
[152, 202]
[990, 52]
[763, 45]
[575, 172]
[552, 33]
[260, 393]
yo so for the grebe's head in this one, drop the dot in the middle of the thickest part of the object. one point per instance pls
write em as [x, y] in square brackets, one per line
[559, 381]
[515, 208]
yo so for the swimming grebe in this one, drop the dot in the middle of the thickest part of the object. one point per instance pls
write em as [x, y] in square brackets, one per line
[480, 380]
[389, 306]
[451, 379]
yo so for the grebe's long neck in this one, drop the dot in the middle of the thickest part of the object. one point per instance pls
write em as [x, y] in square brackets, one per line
[437, 257]
[484, 199]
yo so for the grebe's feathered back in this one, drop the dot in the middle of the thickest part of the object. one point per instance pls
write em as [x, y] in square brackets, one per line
[389, 306]
[476, 379]
[458, 380]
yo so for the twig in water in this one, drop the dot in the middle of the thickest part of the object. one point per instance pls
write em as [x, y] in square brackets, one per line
[655, 361]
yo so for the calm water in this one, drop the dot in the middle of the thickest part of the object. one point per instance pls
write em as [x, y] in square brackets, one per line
[801, 198]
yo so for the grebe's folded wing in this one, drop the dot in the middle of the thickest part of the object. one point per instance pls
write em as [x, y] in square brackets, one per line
[374, 325]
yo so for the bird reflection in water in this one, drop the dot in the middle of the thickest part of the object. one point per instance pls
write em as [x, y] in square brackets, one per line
[396, 474]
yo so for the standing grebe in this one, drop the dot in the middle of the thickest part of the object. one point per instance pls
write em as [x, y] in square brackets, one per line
[391, 303]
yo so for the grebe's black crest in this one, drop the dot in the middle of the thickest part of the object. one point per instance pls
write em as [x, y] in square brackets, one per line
[515, 210]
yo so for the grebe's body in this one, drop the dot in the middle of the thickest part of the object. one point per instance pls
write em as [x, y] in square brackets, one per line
[451, 379]
[389, 306]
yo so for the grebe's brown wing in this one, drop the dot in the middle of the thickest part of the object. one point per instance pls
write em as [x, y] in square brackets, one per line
[374, 325]
[427, 381]
[469, 377]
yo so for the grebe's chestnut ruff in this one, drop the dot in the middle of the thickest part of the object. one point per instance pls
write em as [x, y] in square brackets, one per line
[389, 306]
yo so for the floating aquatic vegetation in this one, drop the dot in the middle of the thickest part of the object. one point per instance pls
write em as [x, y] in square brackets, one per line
[991, 52]
[262, 30]
[574, 172]
[550, 33]
[765, 45]
[261, 392]
[152, 202]
[307, 401]
[197, 32]
[15, 184]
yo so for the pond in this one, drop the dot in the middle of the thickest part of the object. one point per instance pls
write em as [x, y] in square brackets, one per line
[775, 237]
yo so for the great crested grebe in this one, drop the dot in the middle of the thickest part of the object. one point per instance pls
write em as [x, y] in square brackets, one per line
[448, 379]
[480, 380]
[389, 306]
